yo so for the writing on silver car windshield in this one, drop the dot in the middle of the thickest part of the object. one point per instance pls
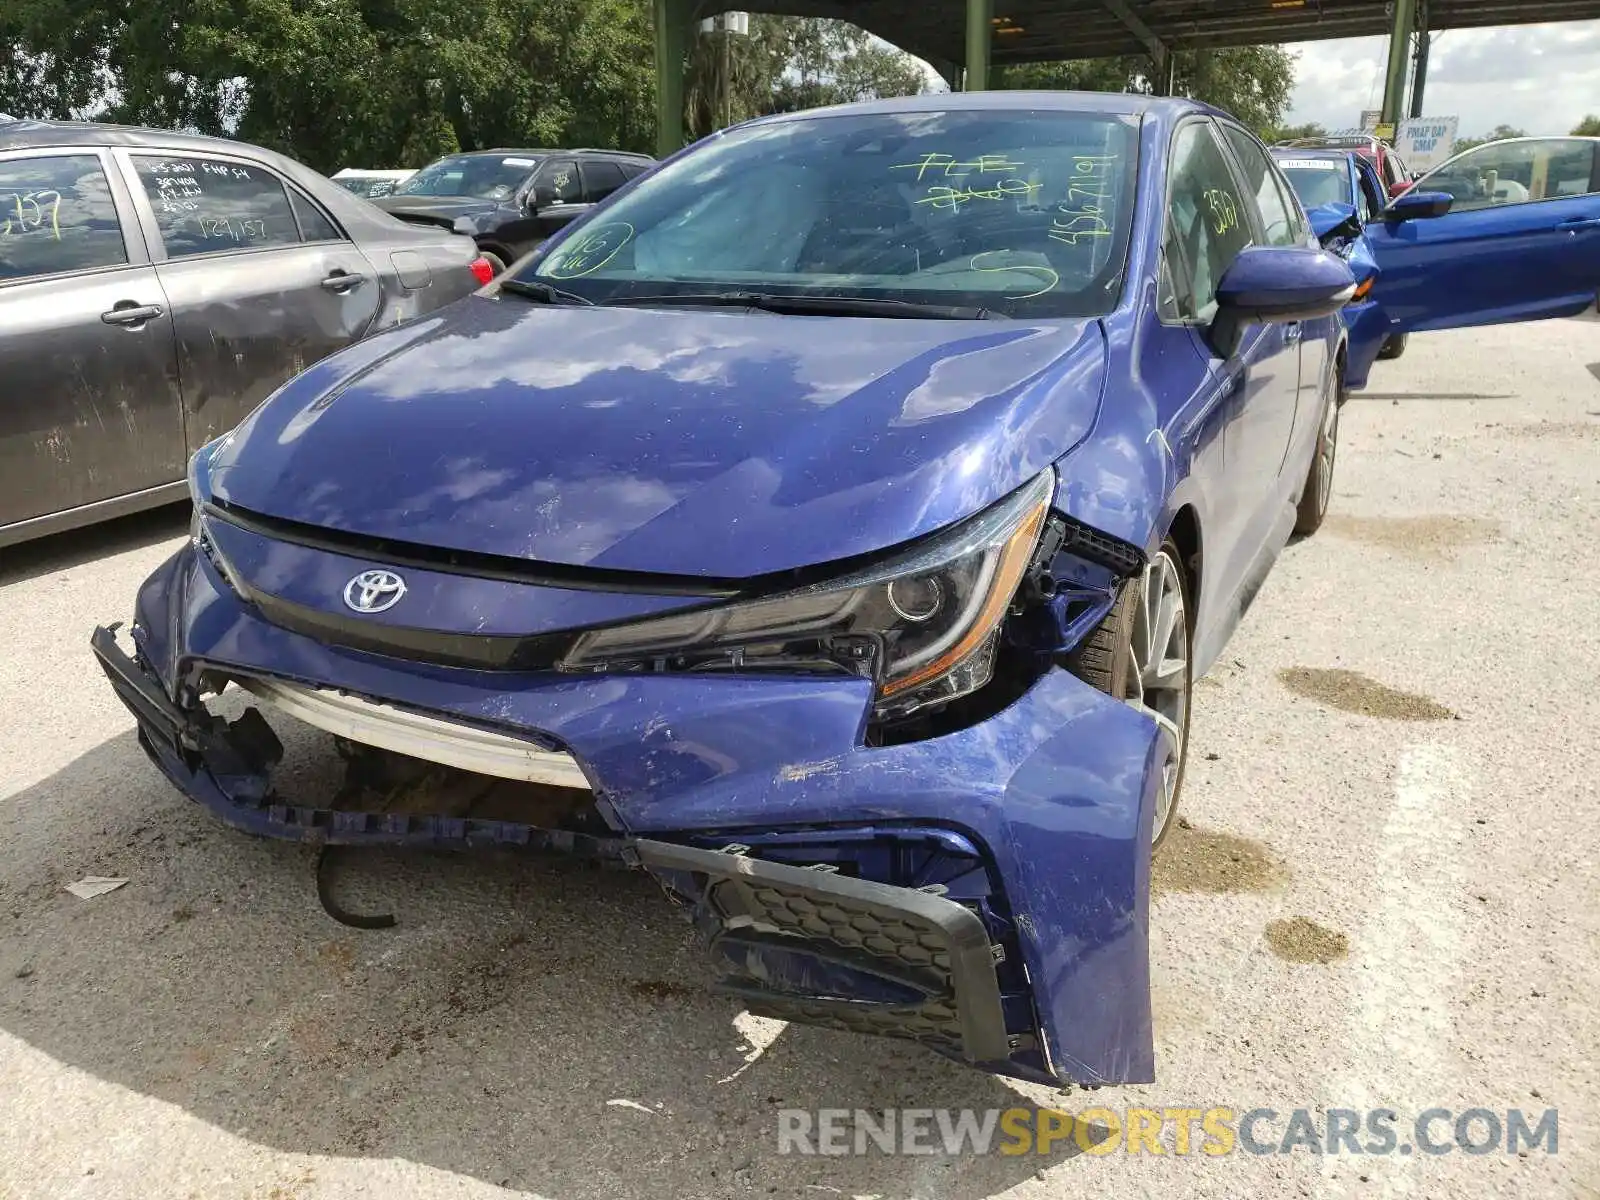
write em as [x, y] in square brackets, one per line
[1019, 213]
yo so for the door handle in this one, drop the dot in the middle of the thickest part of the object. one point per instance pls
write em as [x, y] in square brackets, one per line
[129, 313]
[340, 281]
[1577, 223]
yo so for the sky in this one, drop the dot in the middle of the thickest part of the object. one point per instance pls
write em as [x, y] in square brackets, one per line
[1542, 79]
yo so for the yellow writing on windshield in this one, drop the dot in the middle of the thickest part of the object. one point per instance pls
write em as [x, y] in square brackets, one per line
[944, 196]
[1034, 272]
[1082, 214]
[590, 250]
[948, 164]
[24, 213]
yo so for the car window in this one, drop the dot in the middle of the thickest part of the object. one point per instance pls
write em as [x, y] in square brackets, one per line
[1278, 220]
[633, 170]
[205, 205]
[1207, 222]
[558, 183]
[600, 179]
[1318, 181]
[314, 223]
[1519, 172]
[57, 215]
[1020, 211]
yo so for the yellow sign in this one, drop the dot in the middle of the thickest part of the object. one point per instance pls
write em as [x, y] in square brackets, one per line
[1384, 130]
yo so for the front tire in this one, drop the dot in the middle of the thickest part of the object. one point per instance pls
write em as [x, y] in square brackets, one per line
[1319, 479]
[1140, 654]
[1394, 347]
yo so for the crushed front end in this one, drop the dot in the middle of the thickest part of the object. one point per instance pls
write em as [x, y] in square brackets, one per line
[962, 861]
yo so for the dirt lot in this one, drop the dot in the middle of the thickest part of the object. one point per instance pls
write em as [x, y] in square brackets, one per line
[1384, 896]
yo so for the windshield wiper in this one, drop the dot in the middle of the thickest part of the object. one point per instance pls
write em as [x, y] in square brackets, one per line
[544, 293]
[833, 306]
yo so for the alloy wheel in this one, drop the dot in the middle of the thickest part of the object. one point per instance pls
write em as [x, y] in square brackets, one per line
[1327, 449]
[1158, 677]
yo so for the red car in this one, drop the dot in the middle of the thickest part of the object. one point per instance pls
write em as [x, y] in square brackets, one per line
[1396, 176]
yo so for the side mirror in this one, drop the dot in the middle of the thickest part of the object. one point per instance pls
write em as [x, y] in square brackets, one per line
[1277, 285]
[1333, 221]
[1415, 206]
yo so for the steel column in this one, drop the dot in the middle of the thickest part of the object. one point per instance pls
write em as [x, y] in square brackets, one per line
[672, 34]
[1394, 86]
[1419, 77]
[980, 15]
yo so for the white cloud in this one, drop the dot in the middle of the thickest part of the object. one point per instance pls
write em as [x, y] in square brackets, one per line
[1540, 78]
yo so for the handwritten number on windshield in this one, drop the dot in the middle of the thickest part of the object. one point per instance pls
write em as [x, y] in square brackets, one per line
[591, 250]
[1082, 214]
[31, 211]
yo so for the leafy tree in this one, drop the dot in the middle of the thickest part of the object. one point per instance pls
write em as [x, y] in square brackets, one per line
[790, 63]
[399, 82]
[1588, 127]
[1500, 132]
[1251, 82]
[1293, 133]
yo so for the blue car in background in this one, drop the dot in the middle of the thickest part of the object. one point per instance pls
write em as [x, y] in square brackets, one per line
[833, 524]
[1341, 192]
[1513, 235]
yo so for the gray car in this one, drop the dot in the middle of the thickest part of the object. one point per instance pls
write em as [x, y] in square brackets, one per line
[155, 287]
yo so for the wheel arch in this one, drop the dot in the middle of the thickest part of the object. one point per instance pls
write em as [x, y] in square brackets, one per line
[1185, 531]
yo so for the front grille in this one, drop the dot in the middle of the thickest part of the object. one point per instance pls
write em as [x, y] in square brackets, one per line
[480, 651]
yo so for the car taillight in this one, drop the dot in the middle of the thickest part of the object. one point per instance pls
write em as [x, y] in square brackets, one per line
[482, 271]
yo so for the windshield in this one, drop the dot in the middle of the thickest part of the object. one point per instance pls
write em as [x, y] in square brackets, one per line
[1023, 213]
[471, 177]
[1317, 181]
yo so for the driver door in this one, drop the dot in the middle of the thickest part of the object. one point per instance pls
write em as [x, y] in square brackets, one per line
[1521, 241]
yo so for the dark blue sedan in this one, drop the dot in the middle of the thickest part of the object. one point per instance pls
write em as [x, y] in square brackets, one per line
[832, 524]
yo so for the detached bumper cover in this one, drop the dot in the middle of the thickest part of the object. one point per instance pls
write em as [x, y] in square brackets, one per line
[984, 892]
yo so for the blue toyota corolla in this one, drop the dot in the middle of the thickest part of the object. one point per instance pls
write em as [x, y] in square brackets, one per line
[832, 524]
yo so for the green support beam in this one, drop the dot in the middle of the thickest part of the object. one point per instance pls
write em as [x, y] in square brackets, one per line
[980, 26]
[672, 19]
[1394, 85]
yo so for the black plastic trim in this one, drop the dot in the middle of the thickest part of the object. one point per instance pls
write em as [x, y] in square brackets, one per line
[964, 981]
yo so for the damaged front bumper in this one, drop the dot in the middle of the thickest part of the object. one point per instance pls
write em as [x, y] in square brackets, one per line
[984, 892]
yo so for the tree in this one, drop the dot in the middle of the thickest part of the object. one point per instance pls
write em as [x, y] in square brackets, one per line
[1293, 133]
[1251, 82]
[790, 63]
[1500, 133]
[1588, 127]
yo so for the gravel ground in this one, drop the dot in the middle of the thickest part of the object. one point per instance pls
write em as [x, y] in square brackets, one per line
[1383, 896]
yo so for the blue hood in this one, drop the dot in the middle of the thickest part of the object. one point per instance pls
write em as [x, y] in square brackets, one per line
[688, 442]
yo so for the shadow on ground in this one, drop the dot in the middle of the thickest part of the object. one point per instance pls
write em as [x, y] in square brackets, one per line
[484, 1035]
[81, 546]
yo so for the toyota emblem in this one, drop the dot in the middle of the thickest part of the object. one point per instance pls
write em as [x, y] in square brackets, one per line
[374, 591]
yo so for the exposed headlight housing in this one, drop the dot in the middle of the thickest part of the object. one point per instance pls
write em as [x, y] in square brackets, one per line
[922, 625]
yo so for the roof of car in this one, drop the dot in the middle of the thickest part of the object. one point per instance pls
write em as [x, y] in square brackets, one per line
[23, 135]
[1115, 103]
[546, 151]
[1311, 152]
[26, 134]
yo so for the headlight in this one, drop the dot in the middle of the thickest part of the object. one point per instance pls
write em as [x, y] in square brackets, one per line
[923, 625]
[199, 496]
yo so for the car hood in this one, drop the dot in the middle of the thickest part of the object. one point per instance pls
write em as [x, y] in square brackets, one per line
[710, 443]
[437, 208]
